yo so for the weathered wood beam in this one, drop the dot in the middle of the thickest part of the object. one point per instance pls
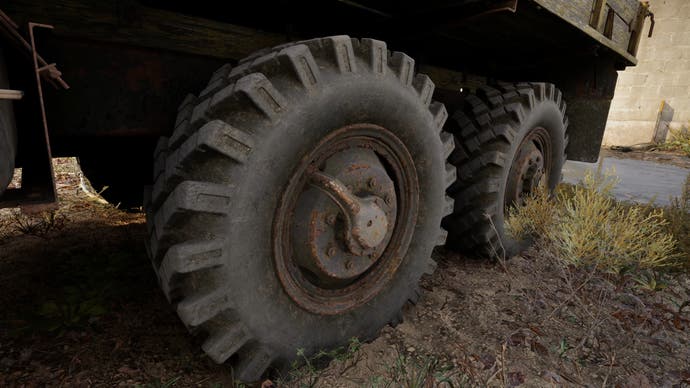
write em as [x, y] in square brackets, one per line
[8, 94]
[597, 13]
[136, 25]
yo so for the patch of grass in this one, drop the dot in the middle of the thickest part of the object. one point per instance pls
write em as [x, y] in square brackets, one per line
[679, 141]
[85, 284]
[419, 372]
[40, 224]
[157, 383]
[584, 226]
[678, 217]
[306, 371]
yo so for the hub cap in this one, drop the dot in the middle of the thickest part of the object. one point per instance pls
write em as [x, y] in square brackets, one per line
[531, 163]
[345, 219]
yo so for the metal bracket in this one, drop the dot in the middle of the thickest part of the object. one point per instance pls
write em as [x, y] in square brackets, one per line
[38, 178]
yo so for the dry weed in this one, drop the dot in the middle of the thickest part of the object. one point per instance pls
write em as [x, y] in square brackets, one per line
[679, 140]
[584, 225]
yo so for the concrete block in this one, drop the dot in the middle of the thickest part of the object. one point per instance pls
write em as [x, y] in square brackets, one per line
[666, 8]
[681, 37]
[684, 12]
[681, 106]
[670, 91]
[643, 91]
[681, 79]
[657, 39]
[623, 115]
[624, 102]
[679, 66]
[631, 77]
[684, 50]
[628, 132]
[651, 65]
[670, 54]
[645, 110]
[666, 26]
[622, 91]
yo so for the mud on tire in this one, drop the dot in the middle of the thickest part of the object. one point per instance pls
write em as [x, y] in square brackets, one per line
[489, 131]
[220, 176]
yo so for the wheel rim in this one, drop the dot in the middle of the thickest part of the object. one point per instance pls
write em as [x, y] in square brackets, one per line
[531, 164]
[345, 219]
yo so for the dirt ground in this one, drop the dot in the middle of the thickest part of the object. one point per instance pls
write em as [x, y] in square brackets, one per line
[80, 307]
[666, 157]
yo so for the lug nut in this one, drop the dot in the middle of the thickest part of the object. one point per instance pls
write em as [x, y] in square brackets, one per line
[348, 264]
[330, 219]
[331, 251]
[389, 199]
[372, 183]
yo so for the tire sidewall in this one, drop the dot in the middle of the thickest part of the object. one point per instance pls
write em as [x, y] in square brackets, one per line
[269, 313]
[548, 116]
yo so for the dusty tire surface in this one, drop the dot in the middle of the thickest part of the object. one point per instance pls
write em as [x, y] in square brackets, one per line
[219, 179]
[489, 131]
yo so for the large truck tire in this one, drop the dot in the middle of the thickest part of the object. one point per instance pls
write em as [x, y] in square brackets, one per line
[298, 200]
[509, 138]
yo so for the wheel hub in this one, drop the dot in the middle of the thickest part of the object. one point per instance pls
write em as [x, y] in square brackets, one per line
[529, 167]
[346, 219]
[350, 222]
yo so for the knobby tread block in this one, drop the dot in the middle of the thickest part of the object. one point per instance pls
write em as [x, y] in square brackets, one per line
[487, 128]
[201, 132]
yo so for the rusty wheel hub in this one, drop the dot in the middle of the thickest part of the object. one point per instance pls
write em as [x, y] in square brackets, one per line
[529, 167]
[346, 218]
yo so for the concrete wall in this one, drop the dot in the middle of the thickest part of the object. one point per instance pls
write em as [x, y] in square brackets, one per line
[663, 73]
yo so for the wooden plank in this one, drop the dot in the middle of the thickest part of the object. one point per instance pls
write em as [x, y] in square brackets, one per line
[597, 13]
[664, 118]
[571, 11]
[136, 25]
[636, 34]
[8, 94]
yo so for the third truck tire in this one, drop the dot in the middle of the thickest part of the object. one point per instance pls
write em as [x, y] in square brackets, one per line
[508, 138]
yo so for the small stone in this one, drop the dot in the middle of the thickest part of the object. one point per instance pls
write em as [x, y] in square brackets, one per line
[411, 349]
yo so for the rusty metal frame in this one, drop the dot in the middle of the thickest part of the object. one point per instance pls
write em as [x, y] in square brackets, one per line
[44, 196]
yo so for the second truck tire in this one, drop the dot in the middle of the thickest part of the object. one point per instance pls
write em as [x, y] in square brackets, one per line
[298, 200]
[509, 138]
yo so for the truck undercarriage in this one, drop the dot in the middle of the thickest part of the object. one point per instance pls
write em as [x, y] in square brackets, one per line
[335, 164]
